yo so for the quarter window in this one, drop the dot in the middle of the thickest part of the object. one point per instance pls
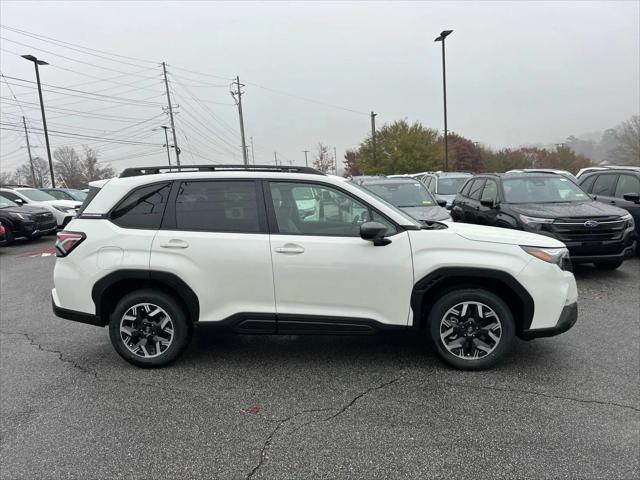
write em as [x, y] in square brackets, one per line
[604, 185]
[218, 206]
[311, 209]
[627, 184]
[142, 208]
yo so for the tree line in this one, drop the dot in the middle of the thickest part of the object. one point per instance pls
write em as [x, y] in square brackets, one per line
[71, 170]
[403, 147]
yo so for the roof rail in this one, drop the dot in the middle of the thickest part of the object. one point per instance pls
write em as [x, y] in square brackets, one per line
[134, 172]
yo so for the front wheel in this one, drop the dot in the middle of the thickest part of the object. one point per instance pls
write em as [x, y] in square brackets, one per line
[608, 264]
[148, 328]
[471, 329]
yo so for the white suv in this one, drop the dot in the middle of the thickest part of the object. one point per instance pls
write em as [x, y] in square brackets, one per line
[289, 250]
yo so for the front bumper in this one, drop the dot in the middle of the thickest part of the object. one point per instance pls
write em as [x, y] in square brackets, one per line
[626, 253]
[567, 319]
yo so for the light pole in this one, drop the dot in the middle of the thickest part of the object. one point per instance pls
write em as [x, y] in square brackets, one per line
[36, 63]
[306, 160]
[444, 34]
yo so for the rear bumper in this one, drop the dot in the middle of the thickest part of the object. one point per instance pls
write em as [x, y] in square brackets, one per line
[567, 319]
[74, 315]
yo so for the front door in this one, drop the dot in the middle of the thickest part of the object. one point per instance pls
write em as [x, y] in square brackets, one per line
[324, 273]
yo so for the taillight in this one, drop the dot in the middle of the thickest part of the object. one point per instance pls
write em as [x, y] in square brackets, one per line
[67, 241]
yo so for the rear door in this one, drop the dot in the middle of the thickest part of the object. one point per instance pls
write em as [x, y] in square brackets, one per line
[472, 205]
[324, 272]
[214, 237]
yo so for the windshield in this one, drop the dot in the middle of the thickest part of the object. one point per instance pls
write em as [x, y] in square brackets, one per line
[450, 186]
[36, 195]
[542, 190]
[403, 194]
[5, 202]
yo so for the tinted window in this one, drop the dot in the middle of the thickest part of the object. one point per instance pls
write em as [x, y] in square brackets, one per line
[465, 190]
[490, 192]
[450, 186]
[604, 185]
[587, 185]
[627, 184]
[310, 209]
[230, 206]
[142, 208]
[476, 189]
[11, 196]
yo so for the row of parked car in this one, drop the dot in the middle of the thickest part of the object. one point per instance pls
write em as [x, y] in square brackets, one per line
[27, 212]
[596, 214]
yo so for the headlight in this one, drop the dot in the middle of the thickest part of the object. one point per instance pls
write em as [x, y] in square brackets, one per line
[535, 223]
[549, 255]
[629, 220]
[23, 216]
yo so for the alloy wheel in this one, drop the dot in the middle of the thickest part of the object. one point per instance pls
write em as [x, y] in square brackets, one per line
[470, 330]
[146, 330]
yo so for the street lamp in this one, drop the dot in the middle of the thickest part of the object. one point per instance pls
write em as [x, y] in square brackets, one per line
[444, 34]
[36, 63]
[166, 140]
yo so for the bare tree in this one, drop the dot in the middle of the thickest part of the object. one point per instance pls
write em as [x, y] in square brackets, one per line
[7, 177]
[323, 161]
[68, 168]
[627, 152]
[92, 169]
[42, 177]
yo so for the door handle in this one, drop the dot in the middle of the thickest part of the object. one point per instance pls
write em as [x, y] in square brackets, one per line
[290, 249]
[175, 243]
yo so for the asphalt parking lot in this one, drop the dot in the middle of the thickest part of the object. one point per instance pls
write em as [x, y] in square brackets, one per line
[315, 407]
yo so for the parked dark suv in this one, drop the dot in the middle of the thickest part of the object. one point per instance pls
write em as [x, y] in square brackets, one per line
[25, 220]
[550, 205]
[616, 187]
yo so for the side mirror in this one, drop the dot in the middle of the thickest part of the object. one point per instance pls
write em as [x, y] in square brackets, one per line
[19, 201]
[442, 203]
[632, 197]
[488, 203]
[374, 232]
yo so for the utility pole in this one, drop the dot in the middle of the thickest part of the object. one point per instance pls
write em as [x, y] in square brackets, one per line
[166, 142]
[306, 161]
[373, 138]
[173, 126]
[441, 38]
[238, 91]
[36, 63]
[253, 158]
[33, 173]
[275, 157]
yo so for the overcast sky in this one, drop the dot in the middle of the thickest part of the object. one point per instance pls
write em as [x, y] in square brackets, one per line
[517, 72]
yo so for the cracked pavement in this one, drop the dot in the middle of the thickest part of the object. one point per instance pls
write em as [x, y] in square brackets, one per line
[263, 407]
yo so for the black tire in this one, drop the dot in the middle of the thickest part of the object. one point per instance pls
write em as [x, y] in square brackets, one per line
[8, 237]
[181, 334]
[608, 264]
[495, 303]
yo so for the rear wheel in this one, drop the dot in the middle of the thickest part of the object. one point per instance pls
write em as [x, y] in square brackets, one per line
[608, 264]
[148, 328]
[9, 236]
[471, 329]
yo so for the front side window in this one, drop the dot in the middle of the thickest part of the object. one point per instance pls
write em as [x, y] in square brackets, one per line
[59, 195]
[627, 184]
[465, 190]
[311, 209]
[403, 194]
[450, 186]
[11, 196]
[604, 185]
[490, 192]
[556, 189]
[142, 208]
[218, 206]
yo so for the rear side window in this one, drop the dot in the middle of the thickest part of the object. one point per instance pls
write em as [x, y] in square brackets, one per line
[604, 185]
[476, 189]
[218, 206]
[142, 208]
[627, 184]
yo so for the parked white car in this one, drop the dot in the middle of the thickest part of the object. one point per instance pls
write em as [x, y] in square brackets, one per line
[288, 250]
[63, 210]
